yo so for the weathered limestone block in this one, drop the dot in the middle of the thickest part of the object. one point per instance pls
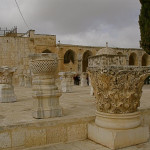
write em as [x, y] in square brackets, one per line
[6, 88]
[66, 81]
[116, 139]
[84, 79]
[45, 92]
[118, 90]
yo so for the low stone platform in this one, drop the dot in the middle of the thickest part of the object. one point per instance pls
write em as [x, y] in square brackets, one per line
[18, 129]
[87, 145]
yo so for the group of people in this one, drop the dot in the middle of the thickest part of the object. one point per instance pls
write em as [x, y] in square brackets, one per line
[76, 79]
[147, 80]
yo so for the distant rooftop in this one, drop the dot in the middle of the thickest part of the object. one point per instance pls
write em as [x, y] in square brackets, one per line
[8, 32]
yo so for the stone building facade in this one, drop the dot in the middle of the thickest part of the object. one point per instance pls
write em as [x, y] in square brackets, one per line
[14, 52]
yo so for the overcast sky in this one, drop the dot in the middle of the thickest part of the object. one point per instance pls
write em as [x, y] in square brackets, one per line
[81, 22]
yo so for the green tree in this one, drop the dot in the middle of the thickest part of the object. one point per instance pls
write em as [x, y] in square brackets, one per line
[144, 23]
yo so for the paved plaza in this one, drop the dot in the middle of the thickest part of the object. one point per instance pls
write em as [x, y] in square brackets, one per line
[77, 104]
[88, 145]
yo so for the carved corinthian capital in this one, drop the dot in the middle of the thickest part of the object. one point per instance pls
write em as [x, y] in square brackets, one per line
[6, 74]
[118, 89]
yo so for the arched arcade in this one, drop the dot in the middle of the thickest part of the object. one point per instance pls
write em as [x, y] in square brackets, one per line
[85, 57]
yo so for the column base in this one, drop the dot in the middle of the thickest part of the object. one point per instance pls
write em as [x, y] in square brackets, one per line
[67, 89]
[54, 112]
[84, 84]
[115, 139]
[7, 94]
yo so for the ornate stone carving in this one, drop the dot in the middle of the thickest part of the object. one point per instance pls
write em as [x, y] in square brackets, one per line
[66, 81]
[118, 89]
[44, 64]
[106, 60]
[6, 88]
[45, 92]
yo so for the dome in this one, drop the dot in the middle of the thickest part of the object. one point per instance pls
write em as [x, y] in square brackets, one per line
[106, 51]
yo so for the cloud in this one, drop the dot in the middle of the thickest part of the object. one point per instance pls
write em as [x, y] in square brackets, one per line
[128, 38]
[83, 21]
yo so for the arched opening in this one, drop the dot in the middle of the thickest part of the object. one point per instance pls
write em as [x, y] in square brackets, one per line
[133, 59]
[147, 80]
[85, 60]
[46, 51]
[119, 53]
[145, 60]
[69, 56]
[145, 63]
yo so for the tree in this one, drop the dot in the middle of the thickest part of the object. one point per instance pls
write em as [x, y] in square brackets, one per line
[144, 23]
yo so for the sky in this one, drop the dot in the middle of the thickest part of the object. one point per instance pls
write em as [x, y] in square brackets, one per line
[79, 22]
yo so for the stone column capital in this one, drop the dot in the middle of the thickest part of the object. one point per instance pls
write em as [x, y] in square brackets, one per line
[118, 89]
[6, 74]
[43, 63]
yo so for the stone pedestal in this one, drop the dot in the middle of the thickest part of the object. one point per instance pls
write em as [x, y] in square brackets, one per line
[27, 81]
[21, 76]
[118, 90]
[7, 94]
[21, 80]
[66, 81]
[115, 139]
[45, 92]
[84, 79]
[91, 88]
[91, 91]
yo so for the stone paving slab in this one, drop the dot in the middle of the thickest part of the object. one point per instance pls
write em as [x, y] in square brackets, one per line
[88, 145]
[77, 104]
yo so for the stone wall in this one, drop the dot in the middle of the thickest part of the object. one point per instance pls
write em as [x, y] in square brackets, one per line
[42, 133]
[14, 52]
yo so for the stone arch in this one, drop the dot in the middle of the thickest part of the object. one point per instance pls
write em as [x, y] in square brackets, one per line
[69, 57]
[119, 53]
[133, 61]
[144, 60]
[85, 60]
[46, 51]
